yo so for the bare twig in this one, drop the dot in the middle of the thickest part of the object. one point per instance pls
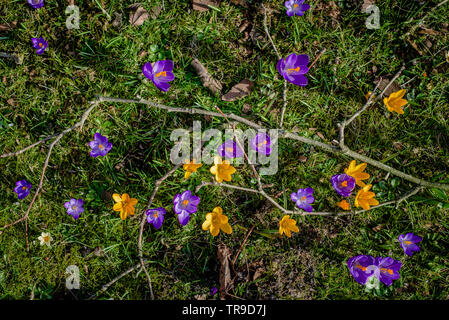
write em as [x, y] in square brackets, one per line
[110, 283]
[421, 21]
[142, 225]
[58, 137]
[288, 135]
[370, 101]
[242, 245]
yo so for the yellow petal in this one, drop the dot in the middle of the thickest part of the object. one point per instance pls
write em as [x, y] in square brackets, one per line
[133, 201]
[123, 214]
[125, 197]
[218, 210]
[214, 230]
[187, 174]
[116, 197]
[117, 206]
[226, 228]
[206, 225]
[213, 170]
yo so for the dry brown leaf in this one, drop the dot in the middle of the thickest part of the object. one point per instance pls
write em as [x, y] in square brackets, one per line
[428, 31]
[367, 3]
[12, 102]
[240, 2]
[302, 158]
[138, 17]
[319, 134]
[206, 79]
[155, 11]
[203, 5]
[117, 20]
[392, 88]
[378, 228]
[224, 256]
[8, 26]
[247, 108]
[240, 90]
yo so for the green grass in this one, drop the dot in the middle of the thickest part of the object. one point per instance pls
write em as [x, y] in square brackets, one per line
[107, 60]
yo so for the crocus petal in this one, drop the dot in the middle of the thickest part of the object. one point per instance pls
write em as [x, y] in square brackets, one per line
[147, 70]
[116, 197]
[163, 86]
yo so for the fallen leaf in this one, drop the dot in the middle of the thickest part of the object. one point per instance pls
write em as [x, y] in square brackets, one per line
[142, 54]
[138, 17]
[428, 31]
[392, 88]
[200, 296]
[378, 228]
[367, 3]
[206, 79]
[247, 108]
[258, 273]
[240, 2]
[155, 11]
[117, 20]
[203, 5]
[224, 256]
[319, 134]
[302, 158]
[11, 102]
[240, 90]
[8, 26]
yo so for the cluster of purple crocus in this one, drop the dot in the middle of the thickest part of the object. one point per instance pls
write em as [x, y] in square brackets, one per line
[261, 143]
[385, 270]
[363, 267]
[184, 205]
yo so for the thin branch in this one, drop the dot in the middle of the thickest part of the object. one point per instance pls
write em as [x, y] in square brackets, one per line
[242, 245]
[80, 123]
[313, 213]
[421, 21]
[288, 135]
[268, 33]
[142, 225]
[110, 283]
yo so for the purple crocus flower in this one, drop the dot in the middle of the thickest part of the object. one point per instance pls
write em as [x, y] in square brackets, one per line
[343, 184]
[303, 198]
[408, 243]
[185, 204]
[100, 146]
[358, 266]
[161, 73]
[293, 68]
[36, 4]
[386, 269]
[261, 143]
[156, 217]
[297, 7]
[213, 291]
[22, 189]
[39, 44]
[74, 207]
[230, 149]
